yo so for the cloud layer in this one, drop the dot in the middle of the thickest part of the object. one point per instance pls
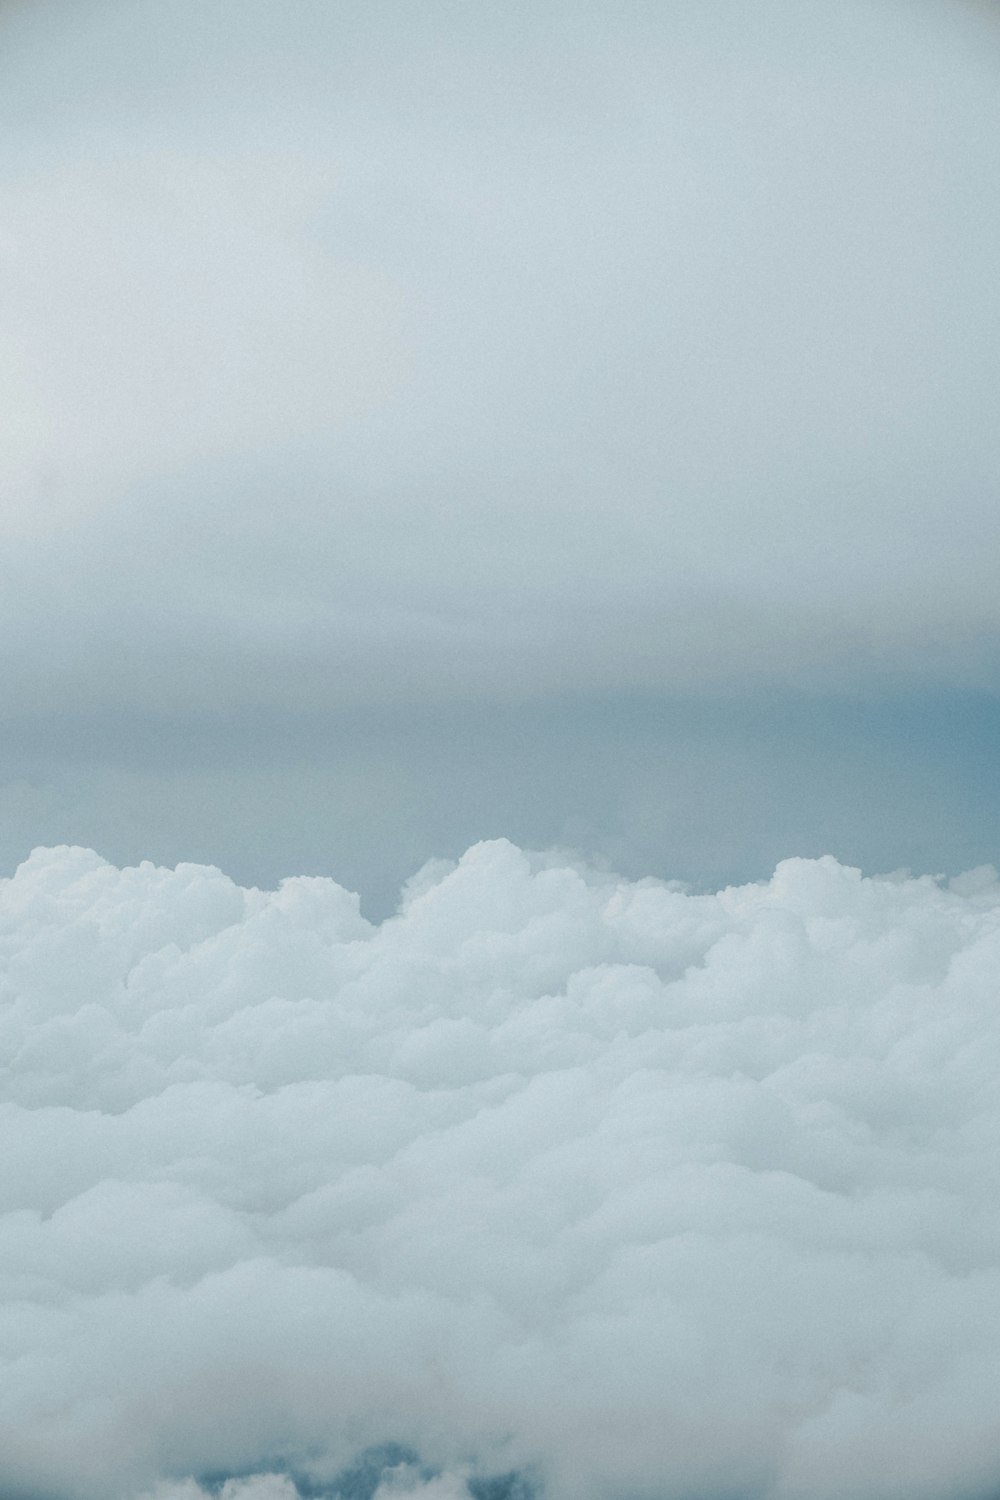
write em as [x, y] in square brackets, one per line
[613, 1188]
[360, 353]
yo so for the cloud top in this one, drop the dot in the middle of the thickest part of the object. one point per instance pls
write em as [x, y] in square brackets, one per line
[609, 1188]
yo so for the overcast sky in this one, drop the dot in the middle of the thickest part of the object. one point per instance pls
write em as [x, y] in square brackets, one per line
[439, 423]
[573, 421]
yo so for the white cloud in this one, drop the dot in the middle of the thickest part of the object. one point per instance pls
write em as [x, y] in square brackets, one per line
[607, 1183]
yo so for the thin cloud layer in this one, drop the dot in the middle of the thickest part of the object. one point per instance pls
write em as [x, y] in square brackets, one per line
[552, 1183]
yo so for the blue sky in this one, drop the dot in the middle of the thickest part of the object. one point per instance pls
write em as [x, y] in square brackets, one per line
[570, 422]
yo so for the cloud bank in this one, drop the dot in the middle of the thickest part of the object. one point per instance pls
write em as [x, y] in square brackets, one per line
[551, 1183]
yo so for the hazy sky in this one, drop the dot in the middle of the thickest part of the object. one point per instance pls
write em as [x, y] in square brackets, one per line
[574, 421]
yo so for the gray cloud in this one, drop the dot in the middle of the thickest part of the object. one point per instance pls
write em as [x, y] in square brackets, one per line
[368, 368]
[380, 354]
[711, 792]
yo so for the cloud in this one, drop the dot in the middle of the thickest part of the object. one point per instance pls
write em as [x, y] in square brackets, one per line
[184, 315]
[360, 353]
[551, 1182]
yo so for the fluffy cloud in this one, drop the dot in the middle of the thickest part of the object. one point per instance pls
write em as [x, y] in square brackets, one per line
[551, 1181]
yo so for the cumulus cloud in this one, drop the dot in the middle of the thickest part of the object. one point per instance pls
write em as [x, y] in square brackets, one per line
[551, 1183]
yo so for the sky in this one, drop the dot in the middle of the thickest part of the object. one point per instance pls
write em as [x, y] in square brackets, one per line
[570, 422]
[500, 646]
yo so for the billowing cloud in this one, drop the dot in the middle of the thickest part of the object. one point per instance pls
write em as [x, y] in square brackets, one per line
[551, 1183]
